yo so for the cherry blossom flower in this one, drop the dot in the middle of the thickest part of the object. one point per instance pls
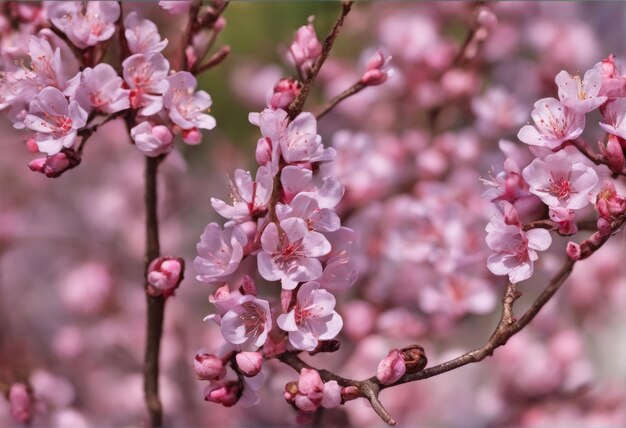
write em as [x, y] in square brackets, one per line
[307, 207]
[301, 143]
[55, 120]
[615, 118]
[312, 319]
[101, 88]
[515, 250]
[146, 76]
[219, 252]
[247, 322]
[142, 35]
[250, 198]
[559, 182]
[290, 255]
[554, 124]
[184, 106]
[565, 218]
[581, 95]
[85, 23]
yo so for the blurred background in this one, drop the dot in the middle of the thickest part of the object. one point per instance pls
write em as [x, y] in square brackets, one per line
[411, 154]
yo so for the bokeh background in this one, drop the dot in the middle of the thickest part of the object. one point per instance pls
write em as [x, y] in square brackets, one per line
[72, 308]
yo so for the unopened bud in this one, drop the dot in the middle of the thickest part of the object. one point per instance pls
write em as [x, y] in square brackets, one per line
[391, 368]
[263, 151]
[192, 136]
[249, 363]
[227, 394]
[604, 226]
[165, 275]
[208, 367]
[350, 393]
[486, 18]
[609, 69]
[573, 250]
[377, 69]
[614, 154]
[55, 165]
[283, 93]
[21, 406]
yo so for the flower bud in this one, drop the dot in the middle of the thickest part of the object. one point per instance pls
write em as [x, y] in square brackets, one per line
[190, 54]
[573, 250]
[283, 93]
[192, 136]
[604, 226]
[614, 154]
[565, 218]
[391, 368]
[55, 165]
[165, 275]
[227, 394]
[350, 393]
[31, 145]
[486, 18]
[377, 69]
[208, 367]
[608, 203]
[21, 406]
[263, 153]
[609, 69]
[414, 358]
[249, 363]
[305, 49]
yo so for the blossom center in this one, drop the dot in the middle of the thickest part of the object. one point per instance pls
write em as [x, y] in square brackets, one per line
[560, 187]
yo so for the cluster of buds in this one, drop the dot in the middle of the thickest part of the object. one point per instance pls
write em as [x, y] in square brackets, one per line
[310, 392]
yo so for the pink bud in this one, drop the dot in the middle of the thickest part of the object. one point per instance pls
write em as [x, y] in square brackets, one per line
[565, 218]
[609, 69]
[486, 18]
[283, 93]
[510, 215]
[310, 382]
[377, 70]
[249, 363]
[332, 395]
[55, 165]
[20, 403]
[604, 226]
[614, 154]
[573, 250]
[608, 203]
[221, 293]
[227, 394]
[165, 275]
[248, 286]
[192, 136]
[219, 24]
[263, 152]
[190, 54]
[391, 368]
[208, 367]
[31, 145]
[350, 393]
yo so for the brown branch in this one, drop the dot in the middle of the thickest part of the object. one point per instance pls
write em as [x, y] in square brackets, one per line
[296, 106]
[156, 304]
[354, 89]
[190, 31]
[214, 60]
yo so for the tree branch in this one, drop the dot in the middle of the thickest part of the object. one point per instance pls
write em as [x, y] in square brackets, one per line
[155, 304]
[352, 90]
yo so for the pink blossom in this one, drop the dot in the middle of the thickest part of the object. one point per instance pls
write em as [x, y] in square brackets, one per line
[219, 252]
[165, 275]
[146, 76]
[55, 120]
[498, 110]
[142, 35]
[290, 255]
[614, 154]
[185, 106]
[208, 367]
[101, 88]
[85, 24]
[249, 363]
[249, 198]
[177, 7]
[554, 124]
[609, 203]
[301, 143]
[573, 250]
[247, 322]
[340, 271]
[306, 207]
[152, 140]
[614, 118]
[378, 70]
[312, 319]
[305, 49]
[515, 250]
[581, 95]
[559, 182]
[21, 403]
[391, 368]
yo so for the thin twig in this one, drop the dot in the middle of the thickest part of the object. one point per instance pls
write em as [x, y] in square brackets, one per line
[214, 60]
[354, 89]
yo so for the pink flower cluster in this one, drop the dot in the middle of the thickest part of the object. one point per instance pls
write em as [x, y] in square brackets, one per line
[281, 224]
[565, 174]
[48, 95]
